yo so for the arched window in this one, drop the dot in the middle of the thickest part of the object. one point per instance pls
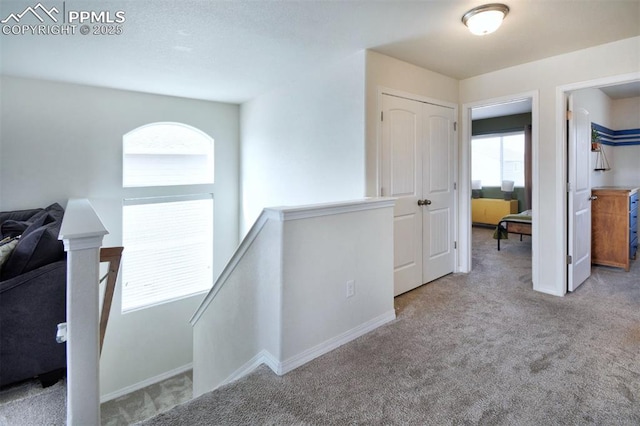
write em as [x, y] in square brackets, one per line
[163, 154]
[168, 238]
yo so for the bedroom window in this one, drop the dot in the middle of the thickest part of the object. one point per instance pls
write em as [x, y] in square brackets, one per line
[167, 215]
[495, 158]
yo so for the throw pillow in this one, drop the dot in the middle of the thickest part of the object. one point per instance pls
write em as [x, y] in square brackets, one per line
[39, 244]
[13, 228]
[18, 214]
[40, 247]
[6, 249]
[56, 212]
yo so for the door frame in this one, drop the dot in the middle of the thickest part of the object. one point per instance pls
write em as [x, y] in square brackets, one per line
[464, 193]
[562, 95]
[382, 90]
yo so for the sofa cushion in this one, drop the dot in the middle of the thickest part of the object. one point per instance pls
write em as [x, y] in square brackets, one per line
[38, 246]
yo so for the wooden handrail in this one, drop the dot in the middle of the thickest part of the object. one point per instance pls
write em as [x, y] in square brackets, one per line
[111, 255]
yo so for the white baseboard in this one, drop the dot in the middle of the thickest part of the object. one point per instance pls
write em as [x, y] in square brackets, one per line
[262, 357]
[280, 368]
[333, 343]
[147, 382]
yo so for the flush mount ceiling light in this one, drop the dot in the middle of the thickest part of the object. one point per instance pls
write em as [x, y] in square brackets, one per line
[485, 19]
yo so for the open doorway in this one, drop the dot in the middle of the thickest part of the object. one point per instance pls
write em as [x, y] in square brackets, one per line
[493, 153]
[612, 108]
[501, 180]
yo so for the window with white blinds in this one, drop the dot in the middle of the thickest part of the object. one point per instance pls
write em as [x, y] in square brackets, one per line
[169, 250]
[496, 158]
[168, 238]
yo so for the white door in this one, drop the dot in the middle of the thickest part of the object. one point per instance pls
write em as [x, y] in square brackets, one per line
[417, 158]
[579, 196]
[401, 178]
[437, 192]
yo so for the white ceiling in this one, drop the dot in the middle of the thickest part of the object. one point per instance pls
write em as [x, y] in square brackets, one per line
[500, 110]
[235, 50]
[621, 91]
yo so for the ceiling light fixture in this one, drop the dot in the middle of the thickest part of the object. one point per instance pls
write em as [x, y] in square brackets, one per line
[485, 19]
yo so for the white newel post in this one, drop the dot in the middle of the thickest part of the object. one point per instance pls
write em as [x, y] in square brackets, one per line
[82, 233]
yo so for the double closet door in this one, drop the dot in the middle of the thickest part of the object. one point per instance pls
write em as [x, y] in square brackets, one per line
[417, 169]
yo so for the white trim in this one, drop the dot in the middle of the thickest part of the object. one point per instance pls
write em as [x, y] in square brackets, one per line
[262, 357]
[561, 166]
[82, 243]
[81, 221]
[281, 368]
[333, 343]
[465, 179]
[167, 199]
[231, 265]
[328, 209]
[464, 192]
[144, 383]
[550, 291]
[413, 97]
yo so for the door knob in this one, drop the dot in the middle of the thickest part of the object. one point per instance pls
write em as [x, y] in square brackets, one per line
[593, 197]
[424, 202]
[420, 203]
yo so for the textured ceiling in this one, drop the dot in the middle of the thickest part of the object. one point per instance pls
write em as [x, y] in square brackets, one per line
[235, 50]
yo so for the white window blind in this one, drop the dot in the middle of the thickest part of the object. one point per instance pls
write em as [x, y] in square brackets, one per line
[169, 249]
[165, 154]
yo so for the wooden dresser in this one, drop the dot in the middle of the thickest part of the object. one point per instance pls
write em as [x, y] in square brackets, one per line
[490, 211]
[614, 226]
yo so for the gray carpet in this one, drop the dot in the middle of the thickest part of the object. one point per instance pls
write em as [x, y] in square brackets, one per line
[28, 404]
[481, 348]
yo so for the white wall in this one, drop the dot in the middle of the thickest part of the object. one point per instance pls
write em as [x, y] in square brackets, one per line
[61, 141]
[619, 114]
[319, 256]
[545, 76]
[390, 73]
[304, 143]
[626, 115]
[292, 280]
[243, 319]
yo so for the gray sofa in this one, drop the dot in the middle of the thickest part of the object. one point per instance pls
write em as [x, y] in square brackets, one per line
[32, 296]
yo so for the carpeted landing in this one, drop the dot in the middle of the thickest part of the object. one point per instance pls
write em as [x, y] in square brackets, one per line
[481, 348]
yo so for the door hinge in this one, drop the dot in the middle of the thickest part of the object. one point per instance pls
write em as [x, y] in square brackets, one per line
[455, 126]
[569, 114]
[455, 186]
[569, 260]
[455, 245]
[568, 186]
[381, 115]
